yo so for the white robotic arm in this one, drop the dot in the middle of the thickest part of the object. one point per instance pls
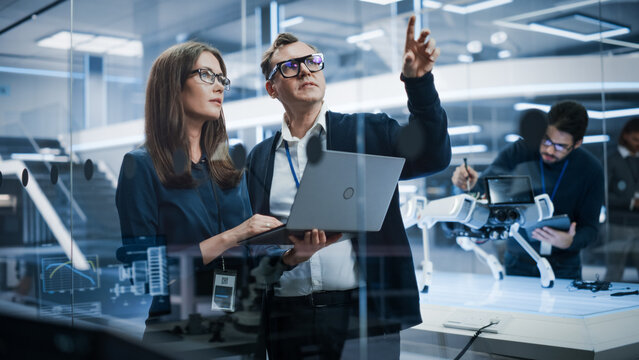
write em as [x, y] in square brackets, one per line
[485, 221]
[460, 208]
[413, 214]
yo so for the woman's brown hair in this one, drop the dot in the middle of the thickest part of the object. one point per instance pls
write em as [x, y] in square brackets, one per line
[166, 137]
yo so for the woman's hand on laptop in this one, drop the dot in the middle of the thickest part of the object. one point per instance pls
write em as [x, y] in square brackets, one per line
[214, 246]
[304, 248]
[254, 225]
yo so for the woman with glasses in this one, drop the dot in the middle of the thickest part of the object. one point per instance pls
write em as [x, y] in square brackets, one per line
[180, 191]
[571, 176]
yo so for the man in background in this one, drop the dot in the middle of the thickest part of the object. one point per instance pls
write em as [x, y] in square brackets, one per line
[572, 178]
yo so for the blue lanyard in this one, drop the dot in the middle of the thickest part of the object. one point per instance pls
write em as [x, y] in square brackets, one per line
[290, 163]
[543, 182]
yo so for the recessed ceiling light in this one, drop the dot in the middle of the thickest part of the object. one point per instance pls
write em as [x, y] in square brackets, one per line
[92, 43]
[579, 27]
[462, 130]
[588, 139]
[62, 40]
[593, 114]
[517, 22]
[132, 48]
[512, 137]
[498, 37]
[100, 44]
[474, 47]
[475, 7]
[591, 139]
[464, 58]
[380, 2]
[528, 106]
[431, 4]
[611, 114]
[291, 21]
[504, 54]
[368, 35]
[467, 149]
[573, 35]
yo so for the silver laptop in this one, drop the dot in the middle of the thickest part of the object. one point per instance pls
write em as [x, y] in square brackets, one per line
[343, 192]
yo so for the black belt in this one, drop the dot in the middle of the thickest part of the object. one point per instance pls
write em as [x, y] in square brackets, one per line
[318, 299]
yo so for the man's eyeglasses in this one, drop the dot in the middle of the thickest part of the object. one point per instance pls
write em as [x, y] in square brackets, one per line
[291, 67]
[209, 77]
[558, 147]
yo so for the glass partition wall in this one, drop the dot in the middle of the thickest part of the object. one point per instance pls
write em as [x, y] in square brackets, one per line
[73, 77]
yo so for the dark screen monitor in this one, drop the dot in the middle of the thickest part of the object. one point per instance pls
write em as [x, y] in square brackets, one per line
[503, 190]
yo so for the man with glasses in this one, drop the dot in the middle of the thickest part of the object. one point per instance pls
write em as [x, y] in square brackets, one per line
[572, 177]
[321, 287]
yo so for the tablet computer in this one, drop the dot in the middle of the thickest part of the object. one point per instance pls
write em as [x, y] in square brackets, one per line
[558, 222]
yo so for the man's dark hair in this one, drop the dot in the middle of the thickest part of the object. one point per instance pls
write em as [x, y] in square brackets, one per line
[570, 117]
[631, 126]
[282, 39]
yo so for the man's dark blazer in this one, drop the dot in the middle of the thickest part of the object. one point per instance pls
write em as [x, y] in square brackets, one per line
[384, 257]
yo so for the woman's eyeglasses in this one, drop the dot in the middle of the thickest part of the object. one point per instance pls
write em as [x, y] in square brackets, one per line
[209, 77]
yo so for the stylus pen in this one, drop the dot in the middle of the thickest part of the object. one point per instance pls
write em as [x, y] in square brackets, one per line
[467, 177]
[622, 293]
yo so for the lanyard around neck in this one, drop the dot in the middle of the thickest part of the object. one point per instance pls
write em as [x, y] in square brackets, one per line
[290, 163]
[543, 182]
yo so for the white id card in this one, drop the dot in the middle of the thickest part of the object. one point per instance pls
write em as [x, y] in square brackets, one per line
[224, 290]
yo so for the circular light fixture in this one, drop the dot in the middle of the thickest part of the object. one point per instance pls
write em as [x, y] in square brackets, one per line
[465, 58]
[498, 38]
[474, 47]
[504, 54]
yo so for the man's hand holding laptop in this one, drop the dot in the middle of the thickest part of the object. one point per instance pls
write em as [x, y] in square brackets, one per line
[304, 248]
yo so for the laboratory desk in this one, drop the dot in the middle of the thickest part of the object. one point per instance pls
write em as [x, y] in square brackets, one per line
[204, 344]
[533, 322]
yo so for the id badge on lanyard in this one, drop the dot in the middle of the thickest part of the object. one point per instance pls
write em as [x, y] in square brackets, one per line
[224, 282]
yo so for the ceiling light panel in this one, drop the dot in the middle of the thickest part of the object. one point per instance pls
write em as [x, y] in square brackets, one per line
[368, 35]
[132, 48]
[468, 149]
[291, 21]
[380, 2]
[101, 44]
[98, 44]
[579, 27]
[498, 37]
[504, 54]
[462, 130]
[475, 7]
[62, 40]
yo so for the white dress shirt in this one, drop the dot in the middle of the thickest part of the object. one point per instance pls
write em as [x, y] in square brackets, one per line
[331, 268]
